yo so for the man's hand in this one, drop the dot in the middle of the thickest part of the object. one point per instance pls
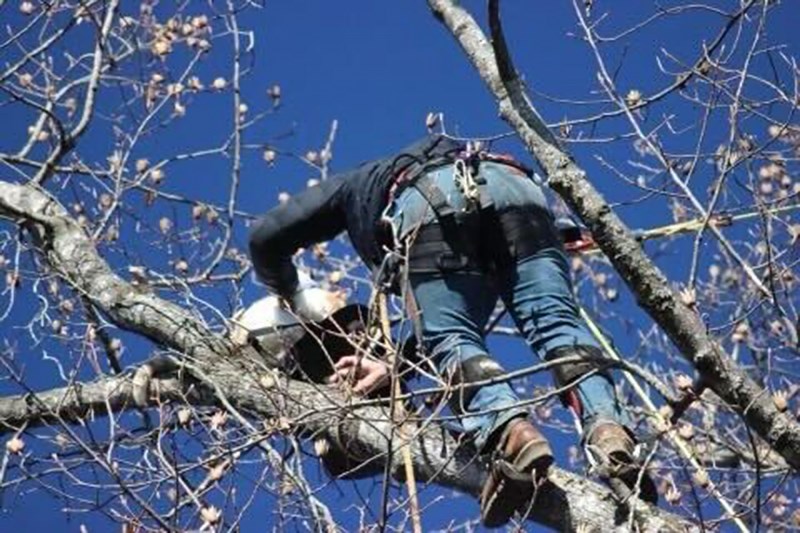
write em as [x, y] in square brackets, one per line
[316, 304]
[365, 373]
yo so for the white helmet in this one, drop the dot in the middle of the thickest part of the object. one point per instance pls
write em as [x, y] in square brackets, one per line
[262, 317]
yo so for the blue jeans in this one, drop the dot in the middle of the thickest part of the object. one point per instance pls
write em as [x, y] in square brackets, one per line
[455, 306]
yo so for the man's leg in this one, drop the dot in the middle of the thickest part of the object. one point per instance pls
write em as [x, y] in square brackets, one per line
[538, 291]
[454, 308]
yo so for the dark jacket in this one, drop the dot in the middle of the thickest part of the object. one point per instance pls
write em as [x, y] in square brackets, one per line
[351, 201]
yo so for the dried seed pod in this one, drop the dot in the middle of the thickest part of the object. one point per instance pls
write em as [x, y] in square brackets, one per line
[198, 210]
[689, 297]
[184, 416]
[13, 279]
[66, 306]
[182, 266]
[194, 84]
[267, 381]
[25, 79]
[322, 447]
[274, 93]
[156, 176]
[325, 155]
[174, 89]
[210, 515]
[781, 400]
[741, 332]
[106, 200]
[683, 382]
[431, 120]
[701, 478]
[15, 445]
[216, 472]
[161, 47]
[219, 84]
[165, 225]
[218, 419]
[673, 495]
[633, 98]
[686, 431]
[200, 22]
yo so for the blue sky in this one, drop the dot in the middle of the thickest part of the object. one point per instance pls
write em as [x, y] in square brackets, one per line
[378, 68]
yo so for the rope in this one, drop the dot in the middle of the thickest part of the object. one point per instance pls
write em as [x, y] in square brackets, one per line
[465, 182]
[399, 413]
[696, 224]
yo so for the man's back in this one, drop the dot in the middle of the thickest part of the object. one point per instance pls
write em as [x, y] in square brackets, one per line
[351, 201]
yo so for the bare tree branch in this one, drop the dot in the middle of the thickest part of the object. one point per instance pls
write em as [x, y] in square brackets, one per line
[569, 501]
[647, 282]
[71, 253]
[437, 458]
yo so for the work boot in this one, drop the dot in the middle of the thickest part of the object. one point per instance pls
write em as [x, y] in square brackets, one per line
[522, 457]
[614, 448]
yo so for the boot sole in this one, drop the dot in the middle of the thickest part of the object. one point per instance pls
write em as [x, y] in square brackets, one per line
[513, 483]
[647, 488]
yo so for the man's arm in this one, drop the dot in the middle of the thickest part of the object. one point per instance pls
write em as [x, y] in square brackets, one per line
[312, 216]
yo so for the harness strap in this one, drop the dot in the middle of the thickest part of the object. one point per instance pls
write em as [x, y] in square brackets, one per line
[510, 235]
[452, 224]
[466, 372]
[432, 251]
[527, 231]
[565, 374]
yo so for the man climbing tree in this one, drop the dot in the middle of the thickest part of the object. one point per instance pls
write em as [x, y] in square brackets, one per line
[459, 226]
[142, 141]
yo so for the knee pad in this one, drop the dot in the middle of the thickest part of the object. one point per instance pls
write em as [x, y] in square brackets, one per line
[566, 374]
[473, 370]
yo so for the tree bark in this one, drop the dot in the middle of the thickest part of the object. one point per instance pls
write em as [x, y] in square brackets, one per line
[564, 504]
